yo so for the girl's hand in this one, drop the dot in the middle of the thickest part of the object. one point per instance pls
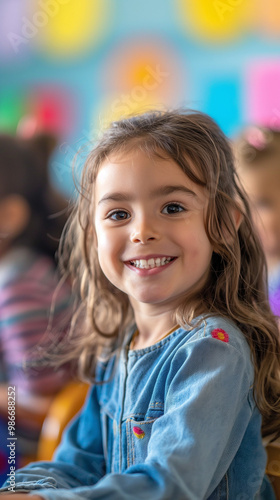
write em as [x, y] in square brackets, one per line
[18, 496]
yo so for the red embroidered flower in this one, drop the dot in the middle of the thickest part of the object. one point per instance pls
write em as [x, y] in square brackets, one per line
[138, 432]
[220, 334]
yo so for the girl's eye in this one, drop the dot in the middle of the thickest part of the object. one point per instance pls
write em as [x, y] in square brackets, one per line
[173, 208]
[118, 215]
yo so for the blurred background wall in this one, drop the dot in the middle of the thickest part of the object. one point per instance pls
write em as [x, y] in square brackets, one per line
[69, 66]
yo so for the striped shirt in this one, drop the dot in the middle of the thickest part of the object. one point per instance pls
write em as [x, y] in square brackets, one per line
[27, 284]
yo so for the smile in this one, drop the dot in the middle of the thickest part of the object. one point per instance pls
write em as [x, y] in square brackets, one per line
[151, 263]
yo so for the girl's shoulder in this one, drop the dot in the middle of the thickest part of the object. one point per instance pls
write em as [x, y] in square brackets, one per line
[217, 328]
[217, 336]
[215, 341]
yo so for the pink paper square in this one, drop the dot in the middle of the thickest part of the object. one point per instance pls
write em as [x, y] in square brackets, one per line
[262, 99]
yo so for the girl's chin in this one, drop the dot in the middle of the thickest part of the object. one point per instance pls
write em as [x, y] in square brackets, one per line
[152, 300]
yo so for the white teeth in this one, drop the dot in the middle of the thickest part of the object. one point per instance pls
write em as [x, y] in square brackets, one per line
[151, 263]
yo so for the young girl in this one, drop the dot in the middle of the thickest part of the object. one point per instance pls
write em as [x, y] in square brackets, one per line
[258, 152]
[174, 328]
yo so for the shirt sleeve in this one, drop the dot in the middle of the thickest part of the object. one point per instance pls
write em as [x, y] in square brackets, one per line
[207, 411]
[79, 460]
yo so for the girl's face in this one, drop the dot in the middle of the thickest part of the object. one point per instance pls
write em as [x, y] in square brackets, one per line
[149, 221]
[263, 187]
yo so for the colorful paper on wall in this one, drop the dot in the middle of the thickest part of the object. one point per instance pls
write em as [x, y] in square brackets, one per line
[268, 17]
[12, 41]
[68, 28]
[143, 74]
[12, 107]
[262, 93]
[215, 20]
[53, 108]
[222, 102]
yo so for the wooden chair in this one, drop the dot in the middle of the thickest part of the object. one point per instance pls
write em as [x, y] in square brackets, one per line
[63, 408]
[273, 466]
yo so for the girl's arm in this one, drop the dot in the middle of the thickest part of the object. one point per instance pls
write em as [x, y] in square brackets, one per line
[80, 459]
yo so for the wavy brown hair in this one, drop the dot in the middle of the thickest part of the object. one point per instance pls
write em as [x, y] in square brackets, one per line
[258, 145]
[236, 286]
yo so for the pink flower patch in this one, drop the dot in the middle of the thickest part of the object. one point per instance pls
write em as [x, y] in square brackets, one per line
[138, 432]
[220, 334]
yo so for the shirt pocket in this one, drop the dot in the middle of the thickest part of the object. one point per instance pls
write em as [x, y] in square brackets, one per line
[222, 491]
[138, 434]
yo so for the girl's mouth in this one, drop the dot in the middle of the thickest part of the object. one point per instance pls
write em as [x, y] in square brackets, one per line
[151, 263]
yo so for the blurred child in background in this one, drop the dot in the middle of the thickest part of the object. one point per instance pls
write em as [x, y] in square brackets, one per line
[258, 154]
[32, 215]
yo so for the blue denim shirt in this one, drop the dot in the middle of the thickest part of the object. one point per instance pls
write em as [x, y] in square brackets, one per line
[176, 421]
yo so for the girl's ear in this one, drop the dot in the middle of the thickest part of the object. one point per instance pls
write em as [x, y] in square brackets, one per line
[238, 217]
[14, 216]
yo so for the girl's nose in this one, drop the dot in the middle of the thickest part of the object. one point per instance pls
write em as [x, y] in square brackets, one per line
[143, 231]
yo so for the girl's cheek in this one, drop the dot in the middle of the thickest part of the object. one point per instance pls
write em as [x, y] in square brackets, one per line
[101, 234]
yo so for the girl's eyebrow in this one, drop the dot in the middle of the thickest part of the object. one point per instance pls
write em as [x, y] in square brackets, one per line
[161, 191]
[173, 189]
